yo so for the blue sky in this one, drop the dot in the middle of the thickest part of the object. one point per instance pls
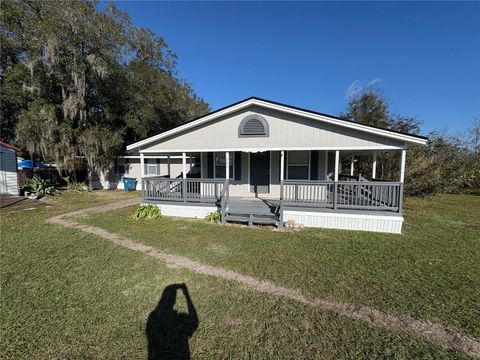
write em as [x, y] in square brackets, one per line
[426, 56]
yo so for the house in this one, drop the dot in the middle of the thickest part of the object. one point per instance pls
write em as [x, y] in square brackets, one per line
[259, 161]
[8, 169]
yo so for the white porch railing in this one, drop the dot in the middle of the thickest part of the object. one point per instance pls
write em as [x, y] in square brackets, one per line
[202, 191]
[307, 193]
[351, 194]
[367, 195]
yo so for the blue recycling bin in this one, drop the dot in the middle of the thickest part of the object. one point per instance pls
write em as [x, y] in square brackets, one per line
[129, 184]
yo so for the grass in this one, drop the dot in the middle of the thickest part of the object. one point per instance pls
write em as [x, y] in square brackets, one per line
[67, 294]
[432, 271]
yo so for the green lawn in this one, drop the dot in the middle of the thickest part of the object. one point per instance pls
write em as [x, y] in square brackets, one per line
[67, 294]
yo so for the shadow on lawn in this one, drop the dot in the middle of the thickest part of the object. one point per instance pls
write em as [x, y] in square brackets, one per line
[167, 330]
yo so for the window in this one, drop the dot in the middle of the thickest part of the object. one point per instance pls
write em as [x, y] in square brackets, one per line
[253, 125]
[194, 161]
[152, 167]
[220, 165]
[195, 168]
[298, 165]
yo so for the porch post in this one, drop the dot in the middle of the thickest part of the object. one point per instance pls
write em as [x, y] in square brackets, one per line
[282, 165]
[337, 161]
[142, 165]
[142, 174]
[402, 178]
[374, 165]
[168, 166]
[227, 165]
[335, 185]
[184, 176]
[184, 165]
[351, 165]
[282, 176]
[402, 165]
[326, 165]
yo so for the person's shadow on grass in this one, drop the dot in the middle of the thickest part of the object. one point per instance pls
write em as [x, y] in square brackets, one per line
[167, 330]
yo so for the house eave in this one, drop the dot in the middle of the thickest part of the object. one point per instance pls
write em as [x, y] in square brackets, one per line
[262, 149]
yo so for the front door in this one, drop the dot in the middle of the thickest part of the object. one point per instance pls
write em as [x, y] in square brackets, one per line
[260, 172]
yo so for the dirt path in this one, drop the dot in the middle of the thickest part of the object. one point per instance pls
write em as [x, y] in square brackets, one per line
[426, 330]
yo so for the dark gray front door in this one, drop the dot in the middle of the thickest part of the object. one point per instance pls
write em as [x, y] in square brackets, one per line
[260, 172]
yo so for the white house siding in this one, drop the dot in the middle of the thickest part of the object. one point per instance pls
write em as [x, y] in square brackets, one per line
[345, 221]
[287, 131]
[161, 162]
[134, 171]
[186, 211]
[332, 220]
[8, 171]
[114, 178]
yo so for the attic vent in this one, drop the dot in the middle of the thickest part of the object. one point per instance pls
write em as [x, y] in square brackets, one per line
[253, 125]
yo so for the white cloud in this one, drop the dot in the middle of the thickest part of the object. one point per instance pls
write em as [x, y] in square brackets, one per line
[373, 82]
[352, 89]
[358, 86]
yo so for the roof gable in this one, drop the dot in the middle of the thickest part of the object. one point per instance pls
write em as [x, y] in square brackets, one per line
[267, 104]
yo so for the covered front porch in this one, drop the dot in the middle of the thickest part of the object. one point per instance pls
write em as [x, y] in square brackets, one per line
[245, 186]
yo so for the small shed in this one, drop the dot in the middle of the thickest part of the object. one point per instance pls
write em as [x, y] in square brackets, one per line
[8, 169]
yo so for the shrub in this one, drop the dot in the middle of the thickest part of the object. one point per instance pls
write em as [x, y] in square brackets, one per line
[38, 188]
[213, 217]
[146, 212]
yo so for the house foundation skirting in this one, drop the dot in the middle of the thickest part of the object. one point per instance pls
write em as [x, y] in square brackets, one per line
[362, 222]
[344, 221]
[186, 211]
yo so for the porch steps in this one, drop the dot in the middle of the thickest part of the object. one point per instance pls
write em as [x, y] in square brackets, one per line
[252, 211]
[251, 218]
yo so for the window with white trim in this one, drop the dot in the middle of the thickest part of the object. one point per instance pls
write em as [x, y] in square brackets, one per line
[298, 165]
[220, 162]
[152, 168]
